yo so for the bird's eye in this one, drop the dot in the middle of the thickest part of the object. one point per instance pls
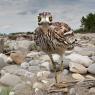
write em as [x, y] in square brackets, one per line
[50, 18]
[39, 18]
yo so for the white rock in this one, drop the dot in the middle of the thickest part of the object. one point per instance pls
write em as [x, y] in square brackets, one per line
[56, 57]
[43, 74]
[77, 58]
[65, 72]
[45, 65]
[91, 69]
[10, 80]
[77, 68]
[44, 58]
[78, 77]
[92, 91]
[37, 85]
[90, 77]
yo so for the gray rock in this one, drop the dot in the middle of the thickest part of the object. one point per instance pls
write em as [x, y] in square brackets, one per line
[84, 51]
[45, 65]
[72, 91]
[17, 70]
[12, 69]
[43, 74]
[92, 91]
[24, 44]
[93, 58]
[65, 72]
[2, 63]
[22, 89]
[77, 68]
[34, 62]
[44, 58]
[10, 80]
[24, 65]
[34, 69]
[4, 57]
[66, 62]
[91, 69]
[77, 58]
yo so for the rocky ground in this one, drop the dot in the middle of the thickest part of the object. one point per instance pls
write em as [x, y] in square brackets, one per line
[26, 72]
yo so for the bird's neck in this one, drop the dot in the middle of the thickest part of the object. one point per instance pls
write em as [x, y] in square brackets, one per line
[45, 28]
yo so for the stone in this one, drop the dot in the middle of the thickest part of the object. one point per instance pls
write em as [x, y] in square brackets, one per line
[78, 76]
[34, 69]
[38, 85]
[77, 58]
[2, 63]
[93, 58]
[91, 68]
[45, 65]
[77, 68]
[44, 58]
[10, 80]
[4, 57]
[12, 69]
[66, 62]
[65, 72]
[34, 62]
[18, 57]
[25, 65]
[92, 91]
[22, 89]
[56, 57]
[9, 60]
[90, 77]
[43, 74]
[72, 91]
[17, 70]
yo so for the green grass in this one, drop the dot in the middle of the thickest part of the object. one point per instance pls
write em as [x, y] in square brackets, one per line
[4, 90]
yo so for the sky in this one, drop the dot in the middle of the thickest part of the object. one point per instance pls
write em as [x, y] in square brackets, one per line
[21, 15]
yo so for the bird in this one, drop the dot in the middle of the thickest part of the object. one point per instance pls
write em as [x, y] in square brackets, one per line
[53, 38]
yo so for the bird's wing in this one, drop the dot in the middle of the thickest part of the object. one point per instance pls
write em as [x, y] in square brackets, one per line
[63, 32]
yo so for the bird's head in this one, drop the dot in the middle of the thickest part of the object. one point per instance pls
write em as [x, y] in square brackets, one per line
[45, 18]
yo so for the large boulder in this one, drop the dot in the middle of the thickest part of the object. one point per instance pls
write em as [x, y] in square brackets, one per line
[77, 68]
[77, 58]
[10, 80]
[15, 44]
[22, 89]
[18, 71]
[91, 69]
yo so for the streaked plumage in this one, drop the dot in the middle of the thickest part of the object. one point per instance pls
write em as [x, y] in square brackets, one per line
[53, 37]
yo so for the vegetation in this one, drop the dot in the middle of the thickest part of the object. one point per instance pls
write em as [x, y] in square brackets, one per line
[87, 24]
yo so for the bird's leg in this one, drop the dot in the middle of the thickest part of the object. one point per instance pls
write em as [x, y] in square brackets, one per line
[61, 63]
[59, 74]
[54, 67]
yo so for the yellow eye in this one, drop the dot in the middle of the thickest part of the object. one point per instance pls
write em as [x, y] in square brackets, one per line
[39, 18]
[50, 18]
